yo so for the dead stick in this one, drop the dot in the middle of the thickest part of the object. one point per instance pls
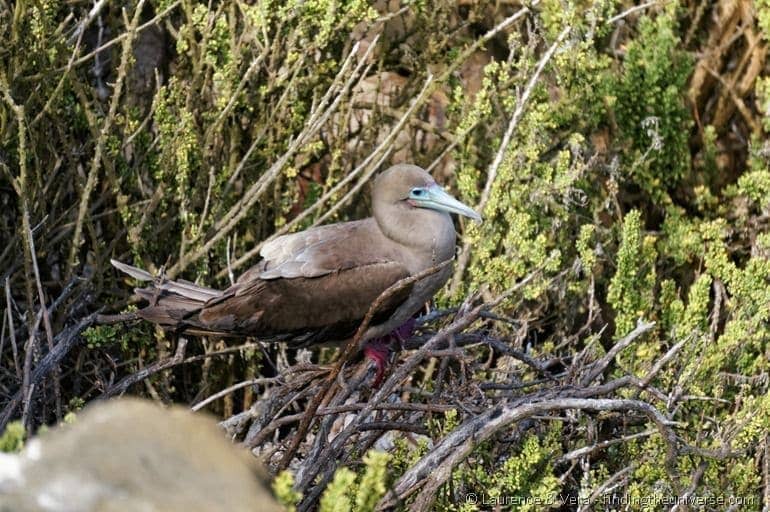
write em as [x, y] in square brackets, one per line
[46, 321]
[123, 385]
[9, 311]
[235, 387]
[600, 365]
[330, 453]
[64, 342]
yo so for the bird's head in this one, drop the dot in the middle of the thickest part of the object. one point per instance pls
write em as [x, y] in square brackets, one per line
[412, 187]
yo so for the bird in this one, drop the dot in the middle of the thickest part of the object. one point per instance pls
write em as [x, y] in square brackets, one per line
[316, 286]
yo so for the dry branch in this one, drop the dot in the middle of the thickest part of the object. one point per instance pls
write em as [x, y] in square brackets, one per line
[322, 463]
[65, 341]
[435, 468]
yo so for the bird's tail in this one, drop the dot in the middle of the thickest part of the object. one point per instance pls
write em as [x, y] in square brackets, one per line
[172, 304]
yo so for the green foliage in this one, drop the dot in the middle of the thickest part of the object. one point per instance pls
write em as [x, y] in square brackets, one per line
[584, 248]
[528, 473]
[406, 453]
[336, 497]
[348, 491]
[439, 427]
[12, 439]
[763, 93]
[102, 336]
[682, 239]
[695, 316]
[650, 106]
[631, 290]
[76, 404]
[755, 185]
[763, 11]
[285, 494]
[372, 485]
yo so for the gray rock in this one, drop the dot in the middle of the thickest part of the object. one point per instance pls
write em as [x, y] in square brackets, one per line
[132, 455]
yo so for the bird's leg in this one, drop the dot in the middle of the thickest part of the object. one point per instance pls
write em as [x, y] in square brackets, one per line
[378, 349]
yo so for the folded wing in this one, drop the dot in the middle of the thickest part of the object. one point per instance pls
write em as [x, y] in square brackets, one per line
[322, 279]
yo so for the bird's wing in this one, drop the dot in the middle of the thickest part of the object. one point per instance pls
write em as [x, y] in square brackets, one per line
[336, 301]
[322, 278]
[318, 251]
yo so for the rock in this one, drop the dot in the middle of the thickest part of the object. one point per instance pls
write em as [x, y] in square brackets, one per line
[132, 455]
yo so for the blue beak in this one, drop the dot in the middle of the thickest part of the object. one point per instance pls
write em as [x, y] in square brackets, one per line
[435, 198]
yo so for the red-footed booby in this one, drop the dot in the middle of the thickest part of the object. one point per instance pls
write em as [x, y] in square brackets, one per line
[317, 285]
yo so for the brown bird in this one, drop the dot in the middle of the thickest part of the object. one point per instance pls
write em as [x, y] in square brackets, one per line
[317, 285]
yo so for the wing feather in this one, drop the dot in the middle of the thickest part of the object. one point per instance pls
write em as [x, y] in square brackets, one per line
[318, 251]
[271, 306]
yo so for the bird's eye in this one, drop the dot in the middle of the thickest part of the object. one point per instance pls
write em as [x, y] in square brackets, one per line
[417, 192]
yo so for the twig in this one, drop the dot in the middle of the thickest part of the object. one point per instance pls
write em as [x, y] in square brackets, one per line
[117, 319]
[729, 89]
[521, 356]
[766, 471]
[22, 190]
[394, 425]
[26, 407]
[46, 320]
[588, 450]
[228, 254]
[92, 14]
[599, 366]
[695, 479]
[123, 385]
[632, 10]
[435, 468]
[614, 481]
[235, 387]
[63, 343]
[661, 362]
[2, 333]
[398, 406]
[12, 329]
[214, 127]
[65, 74]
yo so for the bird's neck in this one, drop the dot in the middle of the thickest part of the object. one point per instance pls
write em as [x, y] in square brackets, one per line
[428, 234]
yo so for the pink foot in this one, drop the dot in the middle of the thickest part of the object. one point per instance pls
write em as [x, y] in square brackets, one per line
[378, 349]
